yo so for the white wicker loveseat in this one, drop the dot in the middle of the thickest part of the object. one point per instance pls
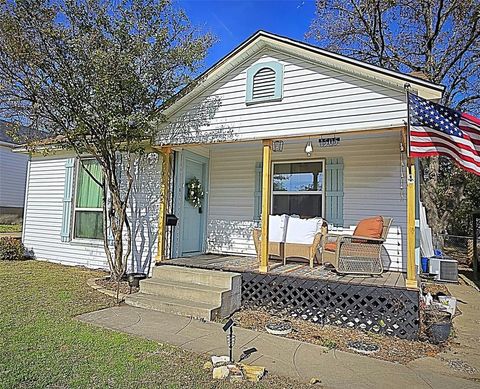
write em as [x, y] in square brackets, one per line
[292, 237]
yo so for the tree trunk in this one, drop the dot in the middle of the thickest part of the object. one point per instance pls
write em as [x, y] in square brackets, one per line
[440, 200]
[117, 219]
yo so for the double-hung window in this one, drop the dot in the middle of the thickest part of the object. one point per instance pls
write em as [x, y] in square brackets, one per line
[298, 188]
[88, 217]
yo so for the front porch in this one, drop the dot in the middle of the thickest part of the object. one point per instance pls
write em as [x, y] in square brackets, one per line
[301, 270]
[245, 183]
[380, 304]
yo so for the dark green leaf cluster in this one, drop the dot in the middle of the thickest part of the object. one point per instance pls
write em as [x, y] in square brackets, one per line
[94, 74]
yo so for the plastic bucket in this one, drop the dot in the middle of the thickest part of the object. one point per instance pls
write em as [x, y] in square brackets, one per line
[439, 332]
[424, 265]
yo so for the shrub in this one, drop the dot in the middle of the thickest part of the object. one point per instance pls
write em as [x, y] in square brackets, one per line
[11, 249]
[10, 228]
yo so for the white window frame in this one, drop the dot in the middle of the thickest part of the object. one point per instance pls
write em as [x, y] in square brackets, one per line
[75, 208]
[303, 192]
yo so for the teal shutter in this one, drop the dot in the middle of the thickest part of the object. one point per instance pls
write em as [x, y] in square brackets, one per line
[334, 191]
[257, 204]
[67, 200]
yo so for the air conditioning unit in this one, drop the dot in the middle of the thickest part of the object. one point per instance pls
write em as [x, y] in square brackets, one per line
[445, 269]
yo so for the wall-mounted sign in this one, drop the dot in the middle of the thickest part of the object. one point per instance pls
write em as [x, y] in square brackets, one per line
[329, 142]
[277, 146]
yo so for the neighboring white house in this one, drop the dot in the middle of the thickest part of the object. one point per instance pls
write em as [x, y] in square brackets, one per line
[13, 172]
[272, 89]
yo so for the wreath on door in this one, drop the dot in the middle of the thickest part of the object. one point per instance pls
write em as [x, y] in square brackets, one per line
[195, 192]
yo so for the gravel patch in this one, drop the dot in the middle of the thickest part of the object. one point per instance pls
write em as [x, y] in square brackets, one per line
[363, 348]
[459, 365]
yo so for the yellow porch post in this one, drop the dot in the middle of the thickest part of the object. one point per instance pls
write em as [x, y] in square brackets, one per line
[266, 199]
[411, 281]
[162, 212]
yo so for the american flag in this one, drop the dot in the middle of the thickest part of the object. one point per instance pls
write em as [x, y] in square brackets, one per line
[438, 130]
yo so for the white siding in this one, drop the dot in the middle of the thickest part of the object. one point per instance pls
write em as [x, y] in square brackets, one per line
[372, 186]
[13, 171]
[143, 211]
[43, 217]
[315, 100]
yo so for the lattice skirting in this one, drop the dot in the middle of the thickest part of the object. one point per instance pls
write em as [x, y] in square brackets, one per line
[391, 311]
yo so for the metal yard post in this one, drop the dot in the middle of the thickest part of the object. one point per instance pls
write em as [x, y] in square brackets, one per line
[476, 226]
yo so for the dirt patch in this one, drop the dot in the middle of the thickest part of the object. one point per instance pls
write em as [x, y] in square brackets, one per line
[109, 284]
[391, 348]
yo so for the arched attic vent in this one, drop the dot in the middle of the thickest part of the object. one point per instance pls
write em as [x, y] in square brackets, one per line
[264, 82]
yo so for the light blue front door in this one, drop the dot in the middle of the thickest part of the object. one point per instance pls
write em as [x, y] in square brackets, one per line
[194, 219]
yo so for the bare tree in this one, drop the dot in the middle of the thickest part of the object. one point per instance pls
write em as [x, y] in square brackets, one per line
[94, 74]
[435, 39]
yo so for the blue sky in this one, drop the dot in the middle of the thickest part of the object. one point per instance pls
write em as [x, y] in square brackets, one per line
[233, 21]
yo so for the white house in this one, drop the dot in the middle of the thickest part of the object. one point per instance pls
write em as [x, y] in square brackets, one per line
[268, 92]
[13, 172]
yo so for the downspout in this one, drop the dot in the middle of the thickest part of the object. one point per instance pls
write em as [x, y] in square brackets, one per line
[25, 200]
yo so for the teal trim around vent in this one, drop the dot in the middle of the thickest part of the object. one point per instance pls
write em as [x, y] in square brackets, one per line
[67, 200]
[257, 196]
[253, 70]
[334, 191]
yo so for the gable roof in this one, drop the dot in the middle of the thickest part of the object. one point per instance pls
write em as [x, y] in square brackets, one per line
[263, 40]
[23, 134]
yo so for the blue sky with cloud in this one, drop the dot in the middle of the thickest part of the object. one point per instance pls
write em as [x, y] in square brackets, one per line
[233, 21]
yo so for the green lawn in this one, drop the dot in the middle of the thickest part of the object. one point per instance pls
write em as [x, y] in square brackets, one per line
[10, 228]
[42, 345]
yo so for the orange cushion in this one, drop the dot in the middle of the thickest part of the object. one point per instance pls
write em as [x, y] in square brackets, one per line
[370, 228]
[331, 246]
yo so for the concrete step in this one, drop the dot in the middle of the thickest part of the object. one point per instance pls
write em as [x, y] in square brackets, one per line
[213, 278]
[198, 293]
[182, 307]
[184, 291]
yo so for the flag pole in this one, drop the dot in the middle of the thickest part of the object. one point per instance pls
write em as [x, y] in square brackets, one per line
[411, 281]
[407, 91]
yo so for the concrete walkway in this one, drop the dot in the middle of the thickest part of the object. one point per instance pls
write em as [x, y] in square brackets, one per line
[302, 361]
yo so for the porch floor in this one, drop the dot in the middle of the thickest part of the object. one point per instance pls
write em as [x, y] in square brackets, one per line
[292, 269]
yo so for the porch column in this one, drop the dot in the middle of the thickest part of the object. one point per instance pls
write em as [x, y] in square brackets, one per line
[411, 281]
[266, 202]
[162, 211]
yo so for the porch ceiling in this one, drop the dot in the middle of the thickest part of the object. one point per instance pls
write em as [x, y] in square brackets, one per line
[296, 139]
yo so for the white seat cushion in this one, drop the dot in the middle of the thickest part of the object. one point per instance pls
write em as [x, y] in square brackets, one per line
[303, 230]
[277, 228]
